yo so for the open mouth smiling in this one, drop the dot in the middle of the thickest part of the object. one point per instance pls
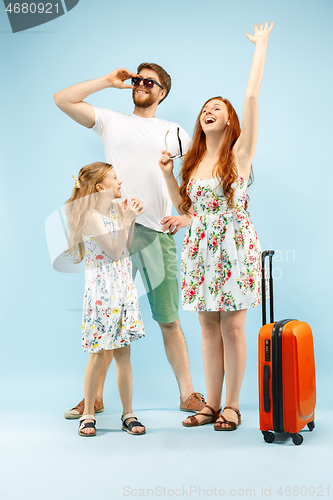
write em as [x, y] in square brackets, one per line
[209, 119]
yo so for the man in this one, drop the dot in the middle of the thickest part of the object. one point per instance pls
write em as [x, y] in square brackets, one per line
[133, 145]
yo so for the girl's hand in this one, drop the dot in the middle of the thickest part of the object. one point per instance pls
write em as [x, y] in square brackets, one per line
[165, 163]
[260, 35]
[132, 210]
[124, 205]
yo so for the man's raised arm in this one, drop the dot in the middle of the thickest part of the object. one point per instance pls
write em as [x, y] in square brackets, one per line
[70, 100]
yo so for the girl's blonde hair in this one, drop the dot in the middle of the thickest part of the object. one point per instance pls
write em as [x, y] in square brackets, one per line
[83, 201]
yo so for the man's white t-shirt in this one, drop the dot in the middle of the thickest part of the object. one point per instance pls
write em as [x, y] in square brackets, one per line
[133, 147]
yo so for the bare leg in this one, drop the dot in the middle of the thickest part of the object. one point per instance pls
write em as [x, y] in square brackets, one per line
[107, 358]
[176, 351]
[212, 353]
[91, 380]
[124, 380]
[233, 335]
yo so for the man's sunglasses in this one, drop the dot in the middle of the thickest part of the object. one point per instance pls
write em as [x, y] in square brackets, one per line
[180, 151]
[147, 82]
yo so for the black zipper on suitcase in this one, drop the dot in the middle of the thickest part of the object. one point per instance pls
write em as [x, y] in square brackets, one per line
[277, 380]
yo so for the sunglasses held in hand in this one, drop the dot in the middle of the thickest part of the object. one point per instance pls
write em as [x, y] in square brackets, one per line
[180, 151]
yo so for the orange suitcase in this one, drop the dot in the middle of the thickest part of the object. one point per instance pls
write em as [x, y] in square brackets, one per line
[287, 384]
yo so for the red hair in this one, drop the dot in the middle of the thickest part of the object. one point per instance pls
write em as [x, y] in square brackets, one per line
[225, 169]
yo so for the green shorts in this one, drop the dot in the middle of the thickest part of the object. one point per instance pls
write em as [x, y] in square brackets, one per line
[154, 254]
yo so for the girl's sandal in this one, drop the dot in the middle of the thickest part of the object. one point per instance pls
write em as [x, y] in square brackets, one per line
[211, 418]
[231, 426]
[128, 428]
[85, 426]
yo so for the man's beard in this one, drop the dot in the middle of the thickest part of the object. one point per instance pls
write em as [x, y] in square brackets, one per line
[145, 101]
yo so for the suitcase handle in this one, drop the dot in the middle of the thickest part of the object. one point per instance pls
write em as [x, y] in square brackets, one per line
[266, 388]
[264, 254]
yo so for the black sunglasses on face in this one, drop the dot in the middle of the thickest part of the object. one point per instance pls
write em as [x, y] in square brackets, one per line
[147, 82]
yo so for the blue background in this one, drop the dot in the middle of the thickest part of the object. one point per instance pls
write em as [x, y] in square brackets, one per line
[204, 48]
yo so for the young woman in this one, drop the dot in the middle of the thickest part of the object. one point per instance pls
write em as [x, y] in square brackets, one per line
[101, 232]
[220, 273]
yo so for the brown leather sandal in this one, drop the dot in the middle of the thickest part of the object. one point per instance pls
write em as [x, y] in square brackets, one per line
[232, 426]
[211, 418]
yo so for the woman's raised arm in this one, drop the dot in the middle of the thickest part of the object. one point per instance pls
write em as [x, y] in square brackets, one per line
[245, 147]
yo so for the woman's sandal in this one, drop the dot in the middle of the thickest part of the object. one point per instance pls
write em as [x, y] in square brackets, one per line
[231, 426]
[211, 418]
[88, 424]
[128, 428]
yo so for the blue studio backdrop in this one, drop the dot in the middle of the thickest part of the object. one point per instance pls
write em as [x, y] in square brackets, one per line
[204, 48]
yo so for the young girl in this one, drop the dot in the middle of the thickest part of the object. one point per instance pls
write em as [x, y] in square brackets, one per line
[102, 231]
[220, 273]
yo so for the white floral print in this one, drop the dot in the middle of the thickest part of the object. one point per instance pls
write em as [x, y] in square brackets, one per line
[111, 311]
[221, 265]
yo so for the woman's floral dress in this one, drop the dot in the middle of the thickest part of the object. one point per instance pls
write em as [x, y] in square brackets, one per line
[111, 311]
[221, 265]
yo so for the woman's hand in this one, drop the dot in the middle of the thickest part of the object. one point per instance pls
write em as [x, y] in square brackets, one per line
[175, 222]
[165, 163]
[260, 34]
[132, 210]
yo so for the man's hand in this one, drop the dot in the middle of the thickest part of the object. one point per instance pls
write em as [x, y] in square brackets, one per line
[175, 222]
[117, 77]
[71, 100]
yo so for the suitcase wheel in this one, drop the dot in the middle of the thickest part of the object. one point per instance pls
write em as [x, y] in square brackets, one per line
[268, 436]
[297, 438]
[311, 426]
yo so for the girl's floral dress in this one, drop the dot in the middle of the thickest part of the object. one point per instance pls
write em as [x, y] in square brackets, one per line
[111, 311]
[221, 265]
